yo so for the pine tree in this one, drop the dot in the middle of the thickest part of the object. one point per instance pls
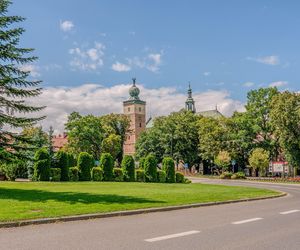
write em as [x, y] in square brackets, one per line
[15, 86]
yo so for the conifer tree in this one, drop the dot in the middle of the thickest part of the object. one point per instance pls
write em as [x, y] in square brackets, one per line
[15, 87]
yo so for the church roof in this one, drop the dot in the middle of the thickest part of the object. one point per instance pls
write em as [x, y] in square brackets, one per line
[214, 113]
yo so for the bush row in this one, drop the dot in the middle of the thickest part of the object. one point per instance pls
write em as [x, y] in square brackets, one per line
[85, 170]
[228, 175]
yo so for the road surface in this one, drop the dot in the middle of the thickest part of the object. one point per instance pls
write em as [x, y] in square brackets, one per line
[266, 224]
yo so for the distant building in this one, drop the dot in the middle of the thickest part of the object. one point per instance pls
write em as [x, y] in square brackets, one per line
[135, 109]
[190, 105]
[58, 141]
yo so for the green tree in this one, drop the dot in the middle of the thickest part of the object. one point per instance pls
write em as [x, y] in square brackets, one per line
[128, 167]
[85, 164]
[150, 166]
[169, 167]
[259, 159]
[62, 162]
[223, 160]
[113, 145]
[50, 143]
[117, 124]
[42, 165]
[285, 118]
[107, 164]
[15, 85]
[258, 108]
[85, 134]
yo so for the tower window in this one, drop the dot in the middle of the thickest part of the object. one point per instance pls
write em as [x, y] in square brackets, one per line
[140, 124]
[128, 109]
[140, 109]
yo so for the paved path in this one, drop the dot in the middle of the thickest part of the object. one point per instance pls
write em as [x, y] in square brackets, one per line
[266, 224]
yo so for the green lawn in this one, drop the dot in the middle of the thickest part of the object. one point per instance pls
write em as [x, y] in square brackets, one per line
[19, 201]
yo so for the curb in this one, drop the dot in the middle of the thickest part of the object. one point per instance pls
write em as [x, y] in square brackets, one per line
[126, 213]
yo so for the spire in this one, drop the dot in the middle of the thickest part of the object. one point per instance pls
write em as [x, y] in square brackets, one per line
[190, 103]
[133, 81]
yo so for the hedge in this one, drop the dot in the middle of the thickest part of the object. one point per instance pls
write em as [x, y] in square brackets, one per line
[73, 174]
[62, 162]
[42, 165]
[161, 176]
[150, 167]
[140, 175]
[97, 174]
[55, 174]
[179, 177]
[169, 167]
[118, 174]
[85, 164]
[128, 168]
[107, 164]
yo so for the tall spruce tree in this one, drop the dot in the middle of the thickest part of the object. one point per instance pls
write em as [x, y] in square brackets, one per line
[15, 86]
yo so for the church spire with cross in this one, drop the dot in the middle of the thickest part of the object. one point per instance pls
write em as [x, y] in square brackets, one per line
[190, 103]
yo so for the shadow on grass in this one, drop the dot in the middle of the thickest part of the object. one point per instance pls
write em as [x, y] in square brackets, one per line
[69, 197]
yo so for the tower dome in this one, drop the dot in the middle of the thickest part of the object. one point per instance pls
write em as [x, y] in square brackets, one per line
[134, 91]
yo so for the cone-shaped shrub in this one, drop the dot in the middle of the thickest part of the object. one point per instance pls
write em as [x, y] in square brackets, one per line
[169, 167]
[128, 168]
[97, 174]
[73, 174]
[42, 165]
[141, 162]
[107, 164]
[118, 174]
[179, 177]
[55, 174]
[62, 162]
[150, 167]
[161, 176]
[85, 163]
[140, 175]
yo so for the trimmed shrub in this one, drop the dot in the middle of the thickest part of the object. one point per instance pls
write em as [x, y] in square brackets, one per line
[238, 175]
[62, 162]
[107, 164]
[141, 162]
[73, 174]
[118, 174]
[128, 168]
[42, 165]
[226, 175]
[97, 174]
[179, 177]
[140, 175]
[85, 164]
[55, 174]
[161, 176]
[14, 169]
[71, 161]
[169, 167]
[150, 167]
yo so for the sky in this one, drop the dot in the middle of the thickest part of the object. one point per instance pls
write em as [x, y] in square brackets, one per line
[89, 51]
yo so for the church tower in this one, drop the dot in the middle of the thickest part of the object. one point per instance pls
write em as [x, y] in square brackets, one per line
[190, 103]
[135, 109]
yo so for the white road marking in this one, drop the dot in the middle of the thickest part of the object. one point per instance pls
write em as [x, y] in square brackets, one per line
[245, 221]
[290, 211]
[170, 236]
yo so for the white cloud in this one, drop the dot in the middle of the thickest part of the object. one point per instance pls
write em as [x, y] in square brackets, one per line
[96, 99]
[87, 59]
[248, 84]
[207, 73]
[66, 25]
[155, 62]
[269, 60]
[32, 69]
[278, 84]
[120, 67]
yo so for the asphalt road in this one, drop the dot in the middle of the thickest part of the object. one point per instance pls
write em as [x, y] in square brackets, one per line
[266, 224]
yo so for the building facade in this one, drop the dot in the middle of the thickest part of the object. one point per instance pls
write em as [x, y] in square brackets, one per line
[135, 109]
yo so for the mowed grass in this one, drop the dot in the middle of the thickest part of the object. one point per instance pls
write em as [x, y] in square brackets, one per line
[19, 201]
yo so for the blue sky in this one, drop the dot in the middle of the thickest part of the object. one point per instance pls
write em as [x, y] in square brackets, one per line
[229, 46]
